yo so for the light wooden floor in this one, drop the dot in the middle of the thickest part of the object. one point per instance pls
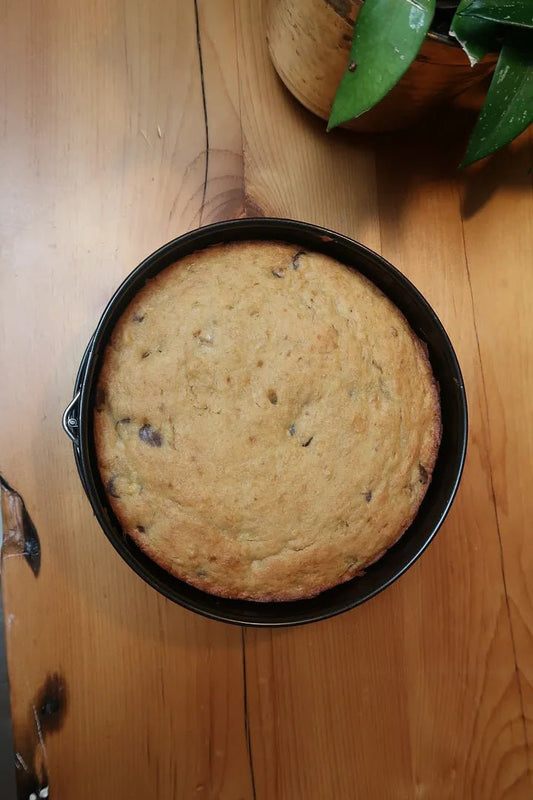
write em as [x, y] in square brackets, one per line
[123, 124]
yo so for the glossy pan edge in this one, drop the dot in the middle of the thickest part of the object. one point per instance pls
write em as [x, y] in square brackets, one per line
[77, 422]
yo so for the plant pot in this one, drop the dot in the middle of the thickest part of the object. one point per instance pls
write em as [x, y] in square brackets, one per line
[309, 43]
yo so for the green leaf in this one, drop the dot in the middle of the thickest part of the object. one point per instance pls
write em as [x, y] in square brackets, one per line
[508, 108]
[387, 37]
[507, 12]
[475, 35]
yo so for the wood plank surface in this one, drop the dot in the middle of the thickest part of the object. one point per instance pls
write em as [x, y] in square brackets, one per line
[498, 199]
[125, 124]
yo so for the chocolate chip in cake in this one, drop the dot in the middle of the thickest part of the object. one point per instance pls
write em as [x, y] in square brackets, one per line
[368, 497]
[260, 363]
[110, 487]
[272, 396]
[138, 317]
[296, 259]
[308, 442]
[140, 529]
[424, 477]
[149, 435]
[145, 354]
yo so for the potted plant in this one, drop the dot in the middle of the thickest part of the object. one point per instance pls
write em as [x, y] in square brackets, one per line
[381, 64]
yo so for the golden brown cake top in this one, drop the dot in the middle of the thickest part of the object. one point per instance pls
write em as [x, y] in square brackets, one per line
[267, 423]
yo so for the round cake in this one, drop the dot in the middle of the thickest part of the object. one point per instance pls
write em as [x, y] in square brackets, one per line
[266, 422]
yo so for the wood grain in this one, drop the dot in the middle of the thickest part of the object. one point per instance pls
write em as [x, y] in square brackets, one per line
[224, 185]
[497, 198]
[125, 124]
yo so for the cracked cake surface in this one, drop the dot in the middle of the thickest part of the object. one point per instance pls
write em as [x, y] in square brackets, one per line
[266, 422]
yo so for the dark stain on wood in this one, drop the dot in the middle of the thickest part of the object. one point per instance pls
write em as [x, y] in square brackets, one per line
[20, 533]
[51, 704]
[46, 715]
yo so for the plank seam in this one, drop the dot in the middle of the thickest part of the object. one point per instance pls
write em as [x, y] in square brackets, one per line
[204, 104]
[246, 719]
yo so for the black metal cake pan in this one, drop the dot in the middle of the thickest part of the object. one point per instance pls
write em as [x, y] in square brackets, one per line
[78, 418]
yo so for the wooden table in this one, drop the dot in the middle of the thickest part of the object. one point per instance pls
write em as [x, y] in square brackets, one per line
[124, 124]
